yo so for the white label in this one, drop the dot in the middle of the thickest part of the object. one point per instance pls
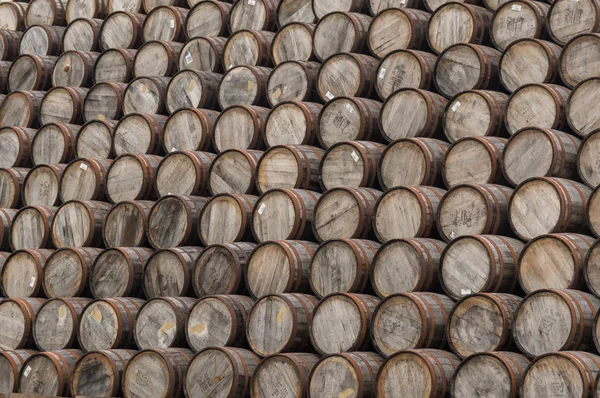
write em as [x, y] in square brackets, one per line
[465, 292]
[27, 371]
[516, 7]
[188, 58]
[252, 2]
[349, 107]
[456, 106]
[355, 156]
[453, 235]
[329, 95]
[262, 208]
[402, 2]
[172, 23]
[32, 282]
[83, 166]
[173, 149]
[382, 73]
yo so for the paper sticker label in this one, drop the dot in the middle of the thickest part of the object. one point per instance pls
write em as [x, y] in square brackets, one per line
[456, 106]
[252, 2]
[453, 235]
[382, 73]
[329, 95]
[27, 371]
[191, 86]
[355, 156]
[349, 107]
[262, 208]
[83, 166]
[32, 282]
[277, 93]
[188, 58]
[465, 292]
[250, 85]
[101, 117]
[516, 7]
[172, 23]
[173, 149]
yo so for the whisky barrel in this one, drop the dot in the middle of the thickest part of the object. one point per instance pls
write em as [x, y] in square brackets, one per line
[104, 101]
[192, 89]
[536, 152]
[11, 362]
[56, 323]
[146, 95]
[30, 228]
[592, 215]
[114, 65]
[48, 373]
[503, 370]
[157, 58]
[572, 324]
[220, 372]
[576, 59]
[42, 40]
[457, 23]
[85, 179]
[131, 177]
[354, 372]
[79, 223]
[11, 184]
[424, 372]
[149, 5]
[133, 6]
[289, 166]
[293, 123]
[121, 29]
[166, 23]
[226, 218]
[82, 35]
[22, 273]
[12, 15]
[88, 9]
[377, 6]
[543, 205]
[482, 322]
[410, 320]
[537, 105]
[117, 272]
[160, 322]
[397, 28]
[321, 9]
[244, 85]
[528, 61]
[518, 19]
[126, 224]
[293, 81]
[563, 258]
[21, 108]
[272, 370]
[342, 311]
[107, 324]
[474, 209]
[240, 127]
[42, 184]
[74, 69]
[139, 133]
[405, 69]
[289, 11]
[280, 323]
[189, 130]
[207, 19]
[183, 173]
[248, 47]
[173, 221]
[168, 272]
[412, 161]
[344, 32]
[15, 146]
[31, 72]
[347, 75]
[234, 171]
[349, 119]
[256, 15]
[203, 53]
[44, 12]
[568, 18]
[493, 269]
[100, 372]
[337, 170]
[221, 269]
[95, 139]
[17, 317]
[464, 67]
[6, 218]
[586, 160]
[218, 321]
[63, 105]
[293, 42]
[474, 160]
[67, 271]
[581, 106]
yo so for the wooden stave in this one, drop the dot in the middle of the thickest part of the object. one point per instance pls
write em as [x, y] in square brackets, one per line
[78, 96]
[269, 23]
[263, 41]
[96, 211]
[17, 176]
[54, 36]
[209, 83]
[558, 40]
[539, 9]
[202, 162]
[56, 170]
[94, 26]
[149, 5]
[586, 171]
[100, 9]
[302, 364]
[370, 153]
[149, 165]
[4, 71]
[367, 66]
[86, 256]
[39, 257]
[310, 69]
[33, 99]
[173, 50]
[16, 358]
[24, 137]
[245, 204]
[155, 125]
[137, 21]
[29, 307]
[100, 168]
[207, 119]
[57, 14]
[311, 113]
[187, 257]
[128, 56]
[118, 90]
[116, 360]
[216, 44]
[258, 114]
[260, 74]
[591, 223]
[311, 18]
[6, 218]
[566, 55]
[177, 28]
[427, 65]
[19, 9]
[135, 7]
[88, 59]
[353, 6]
[580, 133]
[223, 7]
[143, 207]
[63, 360]
[418, 22]
[360, 24]
[47, 214]
[135, 259]
[44, 65]
[75, 306]
[494, 147]
[276, 51]
[251, 156]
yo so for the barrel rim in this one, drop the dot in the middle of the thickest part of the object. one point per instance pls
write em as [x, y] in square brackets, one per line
[545, 45]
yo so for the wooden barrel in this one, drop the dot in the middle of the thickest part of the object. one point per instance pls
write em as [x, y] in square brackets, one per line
[135, 6]
[160, 322]
[293, 81]
[220, 372]
[289, 166]
[168, 272]
[203, 53]
[88, 9]
[474, 160]
[293, 367]
[339, 373]
[63, 105]
[126, 224]
[586, 160]
[114, 65]
[22, 273]
[183, 173]
[248, 47]
[6, 218]
[226, 218]
[31, 72]
[464, 67]
[482, 322]
[146, 95]
[56, 323]
[85, 179]
[44, 12]
[518, 19]
[189, 130]
[48, 373]
[563, 258]
[579, 53]
[67, 271]
[155, 25]
[17, 317]
[377, 6]
[54, 144]
[349, 119]
[290, 11]
[592, 215]
[346, 32]
[537, 105]
[117, 272]
[543, 205]
[21, 108]
[173, 221]
[410, 320]
[294, 123]
[347, 75]
[207, 19]
[293, 42]
[11, 362]
[536, 152]
[157, 58]
[568, 18]
[30, 228]
[15, 146]
[100, 372]
[11, 184]
[82, 35]
[79, 223]
[495, 265]
[503, 370]
[139, 133]
[290, 314]
[121, 29]
[149, 5]
[321, 9]
[342, 311]
[42, 40]
[240, 127]
[456, 23]
[405, 69]
[131, 177]
[74, 69]
[42, 184]
[220, 269]
[192, 89]
[336, 169]
[580, 107]
[234, 171]
[104, 101]
[475, 113]
[397, 28]
[13, 15]
[261, 15]
[244, 85]
[570, 328]
[107, 324]
[95, 139]
[591, 269]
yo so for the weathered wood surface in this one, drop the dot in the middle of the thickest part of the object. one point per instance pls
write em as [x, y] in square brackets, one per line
[234, 171]
[31, 72]
[17, 317]
[104, 101]
[6, 218]
[349, 119]
[114, 65]
[226, 218]
[293, 42]
[160, 323]
[192, 89]
[202, 53]
[586, 160]
[244, 85]
[15, 146]
[139, 133]
[351, 164]
[183, 173]
[74, 69]
[173, 221]
[11, 362]
[567, 18]
[289, 166]
[341, 32]
[591, 272]
[79, 224]
[537, 105]
[11, 184]
[95, 139]
[292, 123]
[474, 160]
[133, 6]
[30, 228]
[292, 81]
[121, 29]
[457, 23]
[405, 69]
[117, 272]
[82, 34]
[86, 9]
[259, 15]
[146, 95]
[22, 273]
[518, 20]
[581, 105]
[248, 47]
[131, 177]
[168, 272]
[283, 374]
[323, 8]
[189, 130]
[529, 61]
[57, 322]
[13, 15]
[207, 19]
[126, 224]
[290, 11]
[592, 215]
[42, 40]
[166, 23]
[240, 127]
[63, 105]
[157, 58]
[579, 59]
[48, 373]
[85, 179]
[21, 109]
[67, 271]
[347, 75]
[100, 372]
